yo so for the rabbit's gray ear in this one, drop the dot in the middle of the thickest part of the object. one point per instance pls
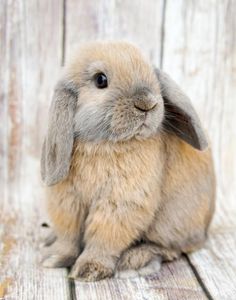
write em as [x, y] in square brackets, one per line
[58, 143]
[180, 116]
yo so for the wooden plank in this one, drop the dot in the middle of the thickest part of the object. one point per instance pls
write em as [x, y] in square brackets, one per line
[216, 265]
[128, 20]
[203, 60]
[32, 39]
[135, 21]
[3, 101]
[21, 276]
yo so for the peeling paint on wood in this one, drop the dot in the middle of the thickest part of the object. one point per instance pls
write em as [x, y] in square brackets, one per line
[4, 287]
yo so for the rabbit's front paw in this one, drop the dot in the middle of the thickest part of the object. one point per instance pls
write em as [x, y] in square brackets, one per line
[90, 271]
[48, 240]
[60, 254]
[55, 260]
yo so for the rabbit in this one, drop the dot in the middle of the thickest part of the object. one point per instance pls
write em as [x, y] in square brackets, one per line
[126, 162]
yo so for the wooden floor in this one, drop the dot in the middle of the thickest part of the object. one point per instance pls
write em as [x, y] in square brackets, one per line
[195, 42]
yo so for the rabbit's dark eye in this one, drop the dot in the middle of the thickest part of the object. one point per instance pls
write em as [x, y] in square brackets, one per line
[100, 80]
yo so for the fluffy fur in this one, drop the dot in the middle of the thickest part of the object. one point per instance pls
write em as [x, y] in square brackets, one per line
[128, 183]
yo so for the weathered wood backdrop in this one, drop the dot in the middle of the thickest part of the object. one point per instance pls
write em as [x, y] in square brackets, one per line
[194, 41]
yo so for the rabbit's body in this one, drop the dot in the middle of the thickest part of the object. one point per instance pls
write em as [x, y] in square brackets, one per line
[153, 188]
[135, 169]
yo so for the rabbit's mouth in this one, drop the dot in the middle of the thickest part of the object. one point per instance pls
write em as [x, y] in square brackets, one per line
[144, 131]
[116, 121]
[144, 126]
[150, 124]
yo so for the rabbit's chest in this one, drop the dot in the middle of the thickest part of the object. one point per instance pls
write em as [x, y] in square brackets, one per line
[129, 174]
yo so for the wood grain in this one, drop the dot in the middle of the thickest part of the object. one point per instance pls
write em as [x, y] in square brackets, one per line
[27, 79]
[138, 22]
[3, 102]
[216, 265]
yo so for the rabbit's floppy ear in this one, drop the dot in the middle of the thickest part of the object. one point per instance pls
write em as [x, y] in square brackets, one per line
[58, 143]
[180, 116]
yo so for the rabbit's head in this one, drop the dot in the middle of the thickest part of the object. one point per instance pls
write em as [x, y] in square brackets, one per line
[110, 92]
[119, 95]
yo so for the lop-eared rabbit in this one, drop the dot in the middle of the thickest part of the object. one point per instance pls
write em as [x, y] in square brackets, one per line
[128, 166]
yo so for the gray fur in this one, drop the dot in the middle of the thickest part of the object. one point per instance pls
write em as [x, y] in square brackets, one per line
[58, 144]
[92, 122]
[100, 121]
[180, 116]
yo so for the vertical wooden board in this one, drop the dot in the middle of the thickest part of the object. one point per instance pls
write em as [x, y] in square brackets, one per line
[32, 36]
[202, 58]
[138, 22]
[13, 98]
[3, 101]
[174, 281]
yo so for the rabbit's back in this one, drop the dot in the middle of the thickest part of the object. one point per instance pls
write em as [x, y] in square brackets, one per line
[187, 198]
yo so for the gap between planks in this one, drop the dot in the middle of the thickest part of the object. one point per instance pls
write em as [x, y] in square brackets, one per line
[198, 278]
[71, 284]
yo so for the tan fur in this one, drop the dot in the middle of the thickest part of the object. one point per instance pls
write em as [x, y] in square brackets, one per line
[137, 257]
[155, 188]
[95, 178]
[115, 217]
[188, 186]
[127, 61]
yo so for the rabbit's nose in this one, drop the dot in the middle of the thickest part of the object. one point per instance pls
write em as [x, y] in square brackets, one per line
[145, 104]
